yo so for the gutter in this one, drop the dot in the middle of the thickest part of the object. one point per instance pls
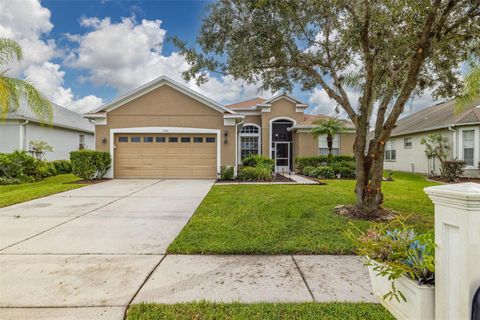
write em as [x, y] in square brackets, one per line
[450, 128]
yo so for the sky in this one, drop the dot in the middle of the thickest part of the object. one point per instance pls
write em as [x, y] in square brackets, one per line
[82, 54]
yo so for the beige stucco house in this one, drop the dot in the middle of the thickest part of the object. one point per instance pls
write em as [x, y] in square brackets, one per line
[404, 152]
[166, 130]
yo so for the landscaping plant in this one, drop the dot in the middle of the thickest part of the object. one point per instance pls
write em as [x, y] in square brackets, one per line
[62, 166]
[227, 173]
[452, 170]
[301, 162]
[395, 250]
[341, 48]
[39, 149]
[329, 128]
[89, 164]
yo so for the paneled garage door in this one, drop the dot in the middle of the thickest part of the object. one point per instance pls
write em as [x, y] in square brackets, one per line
[169, 156]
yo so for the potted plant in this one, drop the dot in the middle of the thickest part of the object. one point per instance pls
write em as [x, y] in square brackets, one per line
[401, 265]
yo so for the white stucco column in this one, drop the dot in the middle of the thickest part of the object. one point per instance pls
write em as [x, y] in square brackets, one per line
[457, 256]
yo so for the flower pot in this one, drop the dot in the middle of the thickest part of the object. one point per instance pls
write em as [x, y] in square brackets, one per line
[420, 302]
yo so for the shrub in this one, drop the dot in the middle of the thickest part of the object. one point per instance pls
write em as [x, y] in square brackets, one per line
[452, 170]
[226, 173]
[45, 169]
[346, 169]
[19, 165]
[254, 160]
[89, 164]
[308, 171]
[62, 166]
[247, 174]
[324, 172]
[5, 181]
[264, 171]
[302, 162]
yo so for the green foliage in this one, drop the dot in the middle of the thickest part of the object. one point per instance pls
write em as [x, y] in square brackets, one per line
[46, 169]
[254, 160]
[39, 148]
[89, 164]
[19, 165]
[247, 174]
[329, 127]
[452, 170]
[301, 162]
[264, 171]
[6, 181]
[396, 250]
[227, 173]
[436, 146]
[62, 166]
[12, 90]
[324, 172]
[346, 169]
[471, 88]
[308, 171]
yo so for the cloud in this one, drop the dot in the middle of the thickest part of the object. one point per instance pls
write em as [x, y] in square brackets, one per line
[323, 104]
[127, 54]
[28, 23]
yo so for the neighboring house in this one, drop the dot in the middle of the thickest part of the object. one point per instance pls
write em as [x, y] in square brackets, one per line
[404, 151]
[166, 130]
[69, 131]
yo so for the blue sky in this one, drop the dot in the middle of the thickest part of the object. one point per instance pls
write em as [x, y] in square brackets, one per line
[82, 54]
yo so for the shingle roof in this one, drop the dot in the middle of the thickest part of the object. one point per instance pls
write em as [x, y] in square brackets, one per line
[62, 117]
[435, 117]
[246, 104]
[310, 119]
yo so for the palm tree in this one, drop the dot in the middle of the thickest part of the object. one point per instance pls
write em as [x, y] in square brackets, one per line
[13, 90]
[329, 127]
[471, 90]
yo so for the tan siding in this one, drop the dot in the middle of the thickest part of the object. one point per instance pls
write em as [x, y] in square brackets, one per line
[346, 143]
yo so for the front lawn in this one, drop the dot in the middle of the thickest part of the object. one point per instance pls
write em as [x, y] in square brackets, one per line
[16, 193]
[276, 219]
[259, 311]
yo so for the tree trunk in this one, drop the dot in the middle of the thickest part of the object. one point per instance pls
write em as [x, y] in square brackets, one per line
[329, 144]
[369, 196]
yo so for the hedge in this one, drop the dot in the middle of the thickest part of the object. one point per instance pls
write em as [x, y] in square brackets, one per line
[302, 162]
[89, 164]
[19, 167]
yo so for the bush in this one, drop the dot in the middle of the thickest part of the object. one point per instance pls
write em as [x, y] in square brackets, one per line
[264, 171]
[346, 169]
[62, 166]
[452, 170]
[308, 171]
[247, 174]
[324, 172]
[21, 166]
[302, 162]
[89, 164]
[255, 160]
[45, 169]
[5, 181]
[226, 173]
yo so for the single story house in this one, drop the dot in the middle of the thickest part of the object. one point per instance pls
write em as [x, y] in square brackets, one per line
[404, 152]
[165, 130]
[68, 131]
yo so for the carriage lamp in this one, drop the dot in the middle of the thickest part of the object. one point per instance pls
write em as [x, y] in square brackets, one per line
[225, 135]
[104, 140]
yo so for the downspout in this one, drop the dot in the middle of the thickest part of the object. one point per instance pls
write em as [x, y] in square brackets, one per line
[23, 135]
[454, 148]
[235, 168]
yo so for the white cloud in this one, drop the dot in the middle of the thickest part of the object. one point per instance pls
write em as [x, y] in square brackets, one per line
[323, 104]
[128, 53]
[28, 23]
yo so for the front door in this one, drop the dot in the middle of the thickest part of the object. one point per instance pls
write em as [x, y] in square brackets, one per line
[282, 156]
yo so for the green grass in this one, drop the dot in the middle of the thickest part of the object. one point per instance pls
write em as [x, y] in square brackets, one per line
[286, 219]
[16, 193]
[260, 311]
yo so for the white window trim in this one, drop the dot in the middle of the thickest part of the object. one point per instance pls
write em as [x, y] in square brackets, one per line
[110, 172]
[270, 148]
[239, 140]
[390, 142]
[476, 145]
[339, 144]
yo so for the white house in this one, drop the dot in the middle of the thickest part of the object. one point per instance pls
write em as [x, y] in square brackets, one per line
[69, 131]
[404, 152]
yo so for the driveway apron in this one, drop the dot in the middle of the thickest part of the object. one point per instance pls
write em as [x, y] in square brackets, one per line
[85, 253]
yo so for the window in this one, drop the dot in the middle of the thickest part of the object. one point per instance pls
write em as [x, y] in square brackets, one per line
[122, 139]
[249, 141]
[197, 139]
[209, 140]
[135, 139]
[248, 146]
[323, 145]
[173, 139]
[407, 143]
[390, 151]
[185, 139]
[249, 129]
[147, 139]
[81, 142]
[468, 140]
[160, 139]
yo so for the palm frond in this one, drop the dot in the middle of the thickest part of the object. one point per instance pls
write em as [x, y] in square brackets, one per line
[471, 90]
[11, 90]
[327, 126]
[9, 49]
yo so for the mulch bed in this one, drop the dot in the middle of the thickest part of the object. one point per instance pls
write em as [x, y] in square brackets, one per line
[459, 180]
[90, 181]
[276, 178]
[350, 211]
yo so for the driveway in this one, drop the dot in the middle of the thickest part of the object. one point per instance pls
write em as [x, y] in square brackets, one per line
[91, 248]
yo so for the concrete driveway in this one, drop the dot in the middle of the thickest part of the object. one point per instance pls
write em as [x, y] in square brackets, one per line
[91, 248]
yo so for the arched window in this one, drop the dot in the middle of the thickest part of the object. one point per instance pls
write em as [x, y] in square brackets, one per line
[249, 140]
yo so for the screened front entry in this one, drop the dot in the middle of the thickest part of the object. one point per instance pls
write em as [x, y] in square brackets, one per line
[282, 145]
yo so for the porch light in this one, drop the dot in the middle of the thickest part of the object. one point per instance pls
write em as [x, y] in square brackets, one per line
[225, 134]
[104, 140]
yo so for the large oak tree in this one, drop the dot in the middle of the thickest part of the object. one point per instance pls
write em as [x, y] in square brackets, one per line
[383, 51]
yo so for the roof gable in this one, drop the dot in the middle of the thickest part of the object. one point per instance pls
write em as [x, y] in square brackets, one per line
[154, 84]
